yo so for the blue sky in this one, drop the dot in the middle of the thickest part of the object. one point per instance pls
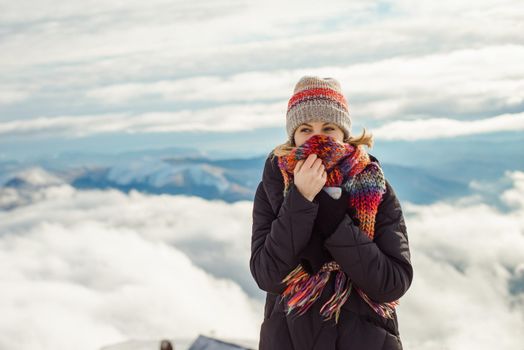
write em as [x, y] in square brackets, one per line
[217, 75]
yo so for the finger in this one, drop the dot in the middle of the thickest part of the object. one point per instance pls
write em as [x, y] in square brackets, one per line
[319, 169]
[310, 160]
[318, 165]
[298, 166]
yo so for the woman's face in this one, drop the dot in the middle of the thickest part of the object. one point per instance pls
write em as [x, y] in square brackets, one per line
[306, 130]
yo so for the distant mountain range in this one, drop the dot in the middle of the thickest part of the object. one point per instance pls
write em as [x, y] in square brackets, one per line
[192, 173]
[421, 172]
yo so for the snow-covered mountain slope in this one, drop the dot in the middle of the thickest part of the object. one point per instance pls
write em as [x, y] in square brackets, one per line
[158, 172]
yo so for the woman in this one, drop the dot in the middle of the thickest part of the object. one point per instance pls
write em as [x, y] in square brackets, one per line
[329, 241]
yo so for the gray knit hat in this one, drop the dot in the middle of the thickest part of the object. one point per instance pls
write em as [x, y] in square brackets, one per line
[317, 99]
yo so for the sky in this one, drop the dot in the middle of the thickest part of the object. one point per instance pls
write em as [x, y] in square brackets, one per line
[110, 76]
[98, 267]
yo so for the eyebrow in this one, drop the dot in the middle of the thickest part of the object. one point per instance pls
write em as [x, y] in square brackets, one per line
[312, 125]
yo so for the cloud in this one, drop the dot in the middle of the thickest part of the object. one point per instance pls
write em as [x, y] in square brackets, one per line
[465, 255]
[376, 90]
[226, 119]
[404, 68]
[219, 119]
[26, 188]
[241, 104]
[156, 27]
[92, 268]
[436, 128]
[13, 94]
[231, 89]
[119, 266]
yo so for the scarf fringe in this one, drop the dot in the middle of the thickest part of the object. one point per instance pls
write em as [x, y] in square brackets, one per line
[383, 309]
[304, 289]
[342, 290]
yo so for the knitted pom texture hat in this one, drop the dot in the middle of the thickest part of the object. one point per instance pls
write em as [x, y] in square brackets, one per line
[317, 99]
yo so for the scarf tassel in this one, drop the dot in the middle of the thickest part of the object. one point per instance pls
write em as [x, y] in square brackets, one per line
[303, 290]
[342, 290]
[383, 309]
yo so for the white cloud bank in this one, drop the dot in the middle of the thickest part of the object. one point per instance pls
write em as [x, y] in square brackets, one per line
[466, 254]
[93, 268]
[219, 119]
[431, 115]
[436, 128]
[226, 119]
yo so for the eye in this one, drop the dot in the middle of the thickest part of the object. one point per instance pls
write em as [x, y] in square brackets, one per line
[330, 128]
[304, 129]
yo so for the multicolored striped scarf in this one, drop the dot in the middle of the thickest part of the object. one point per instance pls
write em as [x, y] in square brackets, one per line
[351, 168]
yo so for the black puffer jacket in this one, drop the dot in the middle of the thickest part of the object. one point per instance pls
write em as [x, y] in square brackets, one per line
[381, 267]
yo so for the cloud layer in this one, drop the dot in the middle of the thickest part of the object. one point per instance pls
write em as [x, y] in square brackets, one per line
[95, 268]
[468, 257]
[159, 67]
[103, 267]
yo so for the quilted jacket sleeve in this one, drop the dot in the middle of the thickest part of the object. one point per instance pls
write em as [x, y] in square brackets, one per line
[380, 267]
[278, 238]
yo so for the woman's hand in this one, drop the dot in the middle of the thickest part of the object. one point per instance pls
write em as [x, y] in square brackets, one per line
[310, 176]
